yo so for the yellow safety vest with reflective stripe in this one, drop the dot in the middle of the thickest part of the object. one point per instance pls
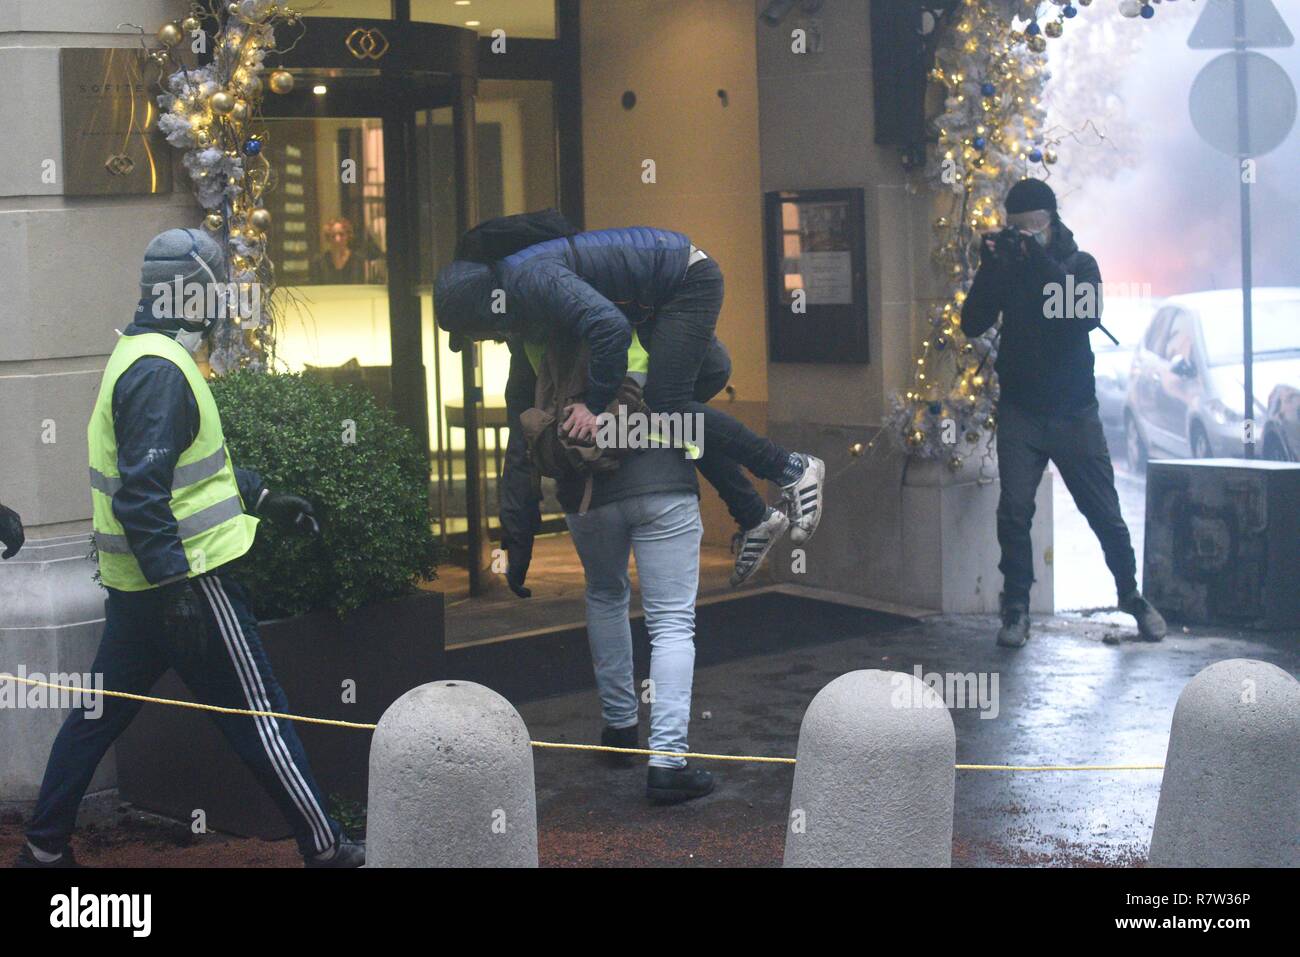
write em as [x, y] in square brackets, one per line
[638, 360]
[209, 512]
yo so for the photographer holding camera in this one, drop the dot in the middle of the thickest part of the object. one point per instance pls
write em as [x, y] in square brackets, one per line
[1047, 408]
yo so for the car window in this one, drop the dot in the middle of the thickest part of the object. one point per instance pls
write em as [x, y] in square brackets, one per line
[1156, 334]
[1181, 341]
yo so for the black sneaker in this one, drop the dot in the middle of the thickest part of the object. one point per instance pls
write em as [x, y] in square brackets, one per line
[347, 853]
[675, 785]
[1015, 625]
[27, 859]
[619, 738]
[1151, 624]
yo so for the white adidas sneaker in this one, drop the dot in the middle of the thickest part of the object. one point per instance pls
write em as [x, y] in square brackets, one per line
[751, 547]
[803, 499]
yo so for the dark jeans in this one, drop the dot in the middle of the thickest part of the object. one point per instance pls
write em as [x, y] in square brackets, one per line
[681, 340]
[230, 670]
[1076, 443]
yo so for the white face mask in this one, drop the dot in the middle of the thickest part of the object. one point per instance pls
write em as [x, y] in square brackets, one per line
[191, 342]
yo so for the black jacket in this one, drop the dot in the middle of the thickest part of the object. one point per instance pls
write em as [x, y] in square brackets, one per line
[1044, 364]
[642, 473]
[155, 419]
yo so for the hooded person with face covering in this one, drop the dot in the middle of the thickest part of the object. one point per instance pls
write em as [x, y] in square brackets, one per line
[170, 512]
[1047, 293]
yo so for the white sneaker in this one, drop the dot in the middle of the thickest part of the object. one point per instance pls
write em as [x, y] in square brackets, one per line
[751, 547]
[803, 499]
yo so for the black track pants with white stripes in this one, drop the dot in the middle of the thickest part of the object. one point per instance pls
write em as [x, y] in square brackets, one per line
[229, 669]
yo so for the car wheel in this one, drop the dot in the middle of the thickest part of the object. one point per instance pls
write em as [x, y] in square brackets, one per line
[1199, 442]
[1135, 450]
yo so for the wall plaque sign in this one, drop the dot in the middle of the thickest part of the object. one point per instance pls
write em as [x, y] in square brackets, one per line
[111, 146]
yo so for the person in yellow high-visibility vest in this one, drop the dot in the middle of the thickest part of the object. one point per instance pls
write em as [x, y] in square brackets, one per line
[170, 512]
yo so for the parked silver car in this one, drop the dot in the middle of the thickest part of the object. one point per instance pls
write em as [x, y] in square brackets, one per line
[1186, 381]
[1282, 428]
[1126, 318]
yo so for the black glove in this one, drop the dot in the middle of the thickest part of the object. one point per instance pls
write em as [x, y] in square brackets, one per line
[184, 620]
[289, 511]
[519, 555]
[11, 532]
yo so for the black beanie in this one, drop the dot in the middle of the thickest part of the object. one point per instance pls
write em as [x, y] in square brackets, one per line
[1028, 195]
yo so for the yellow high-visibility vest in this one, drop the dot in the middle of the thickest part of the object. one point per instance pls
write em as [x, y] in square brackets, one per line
[210, 518]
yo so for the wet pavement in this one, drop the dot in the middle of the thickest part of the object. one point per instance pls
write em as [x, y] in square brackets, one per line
[1083, 691]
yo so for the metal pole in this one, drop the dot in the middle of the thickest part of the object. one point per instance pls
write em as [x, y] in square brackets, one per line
[1244, 152]
[464, 123]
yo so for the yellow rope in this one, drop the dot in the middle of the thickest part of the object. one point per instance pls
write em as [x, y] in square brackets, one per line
[756, 759]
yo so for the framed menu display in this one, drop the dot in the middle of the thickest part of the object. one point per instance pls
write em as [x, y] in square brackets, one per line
[815, 244]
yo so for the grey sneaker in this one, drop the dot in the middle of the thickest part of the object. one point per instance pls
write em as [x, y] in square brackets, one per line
[1151, 624]
[1015, 625]
[803, 499]
[347, 853]
[752, 546]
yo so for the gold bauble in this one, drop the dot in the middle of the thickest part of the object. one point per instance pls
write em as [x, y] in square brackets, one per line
[260, 219]
[1050, 157]
[213, 221]
[250, 85]
[169, 34]
[1037, 43]
[191, 25]
[221, 102]
[955, 463]
[990, 423]
[240, 111]
[281, 81]
[233, 9]
[202, 137]
[1053, 28]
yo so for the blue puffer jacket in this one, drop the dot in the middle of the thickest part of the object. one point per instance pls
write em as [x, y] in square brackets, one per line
[595, 286]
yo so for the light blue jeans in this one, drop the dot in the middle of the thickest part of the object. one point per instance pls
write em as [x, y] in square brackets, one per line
[664, 532]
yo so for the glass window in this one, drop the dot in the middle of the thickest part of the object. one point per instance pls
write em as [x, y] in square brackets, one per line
[328, 246]
[360, 9]
[528, 19]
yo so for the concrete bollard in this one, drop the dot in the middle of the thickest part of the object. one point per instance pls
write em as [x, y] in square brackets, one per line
[451, 781]
[873, 779]
[1230, 796]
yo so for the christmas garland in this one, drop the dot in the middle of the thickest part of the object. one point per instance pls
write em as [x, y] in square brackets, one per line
[211, 110]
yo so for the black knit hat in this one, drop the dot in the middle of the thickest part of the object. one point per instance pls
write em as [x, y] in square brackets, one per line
[1028, 195]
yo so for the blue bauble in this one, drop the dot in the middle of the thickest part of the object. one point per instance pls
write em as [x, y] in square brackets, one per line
[979, 142]
[1035, 155]
[935, 408]
[253, 147]
[988, 89]
[1071, 10]
[1033, 29]
[1147, 11]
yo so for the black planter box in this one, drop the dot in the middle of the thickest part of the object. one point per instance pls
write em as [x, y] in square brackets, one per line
[174, 760]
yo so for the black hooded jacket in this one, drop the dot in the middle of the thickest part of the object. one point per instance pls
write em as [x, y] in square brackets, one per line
[1045, 362]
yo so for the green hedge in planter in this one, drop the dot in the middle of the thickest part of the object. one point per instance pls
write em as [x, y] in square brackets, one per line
[366, 475]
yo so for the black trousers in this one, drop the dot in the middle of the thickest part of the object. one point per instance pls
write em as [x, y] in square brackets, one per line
[228, 669]
[681, 340]
[1076, 443]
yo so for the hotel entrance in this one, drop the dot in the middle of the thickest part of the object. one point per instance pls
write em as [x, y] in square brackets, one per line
[389, 147]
